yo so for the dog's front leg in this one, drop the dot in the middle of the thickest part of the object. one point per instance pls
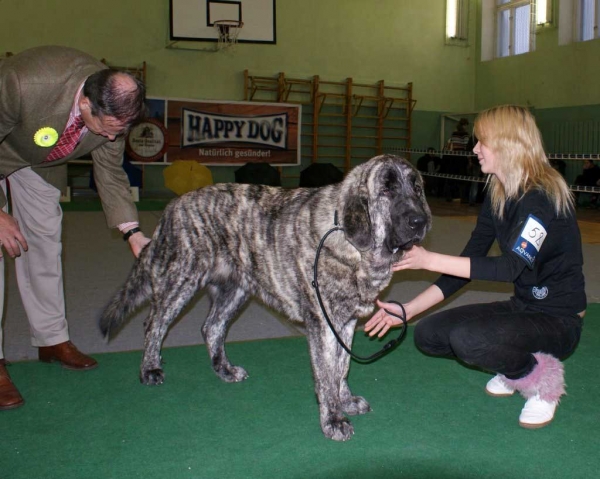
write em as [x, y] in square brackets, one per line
[324, 353]
[352, 405]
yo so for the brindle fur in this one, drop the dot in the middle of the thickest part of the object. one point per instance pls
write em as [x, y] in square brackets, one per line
[239, 241]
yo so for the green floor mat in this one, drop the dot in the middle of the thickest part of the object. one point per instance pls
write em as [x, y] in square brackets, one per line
[431, 419]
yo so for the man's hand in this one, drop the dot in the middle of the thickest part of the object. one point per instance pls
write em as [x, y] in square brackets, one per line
[11, 238]
[137, 241]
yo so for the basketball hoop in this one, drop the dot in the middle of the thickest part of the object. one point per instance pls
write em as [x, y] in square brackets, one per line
[227, 33]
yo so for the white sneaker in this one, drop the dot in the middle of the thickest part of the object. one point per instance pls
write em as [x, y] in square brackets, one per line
[537, 413]
[497, 387]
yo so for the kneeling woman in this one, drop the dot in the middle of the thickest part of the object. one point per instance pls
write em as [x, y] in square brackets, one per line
[529, 211]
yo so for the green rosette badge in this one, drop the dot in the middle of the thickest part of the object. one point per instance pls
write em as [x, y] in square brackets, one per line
[45, 137]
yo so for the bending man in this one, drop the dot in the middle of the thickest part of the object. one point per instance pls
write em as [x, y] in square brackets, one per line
[58, 104]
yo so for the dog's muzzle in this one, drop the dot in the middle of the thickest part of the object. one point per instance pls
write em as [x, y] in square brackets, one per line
[409, 232]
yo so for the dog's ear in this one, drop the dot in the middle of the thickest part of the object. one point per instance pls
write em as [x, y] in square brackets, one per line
[356, 222]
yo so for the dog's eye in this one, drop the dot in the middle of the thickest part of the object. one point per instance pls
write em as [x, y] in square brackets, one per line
[385, 192]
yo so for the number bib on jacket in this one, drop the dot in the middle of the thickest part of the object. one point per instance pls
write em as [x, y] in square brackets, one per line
[530, 240]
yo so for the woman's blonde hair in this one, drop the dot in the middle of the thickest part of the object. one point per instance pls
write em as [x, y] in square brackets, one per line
[512, 134]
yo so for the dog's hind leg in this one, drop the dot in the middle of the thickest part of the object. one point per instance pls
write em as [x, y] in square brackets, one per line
[352, 405]
[162, 313]
[226, 302]
[324, 355]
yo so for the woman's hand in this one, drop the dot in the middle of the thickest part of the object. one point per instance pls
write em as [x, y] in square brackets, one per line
[415, 258]
[381, 322]
[419, 258]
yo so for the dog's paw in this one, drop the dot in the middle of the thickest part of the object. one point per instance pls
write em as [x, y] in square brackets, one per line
[152, 376]
[232, 374]
[338, 429]
[356, 405]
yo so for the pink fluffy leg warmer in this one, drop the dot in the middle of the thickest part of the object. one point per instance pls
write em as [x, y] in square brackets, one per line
[546, 379]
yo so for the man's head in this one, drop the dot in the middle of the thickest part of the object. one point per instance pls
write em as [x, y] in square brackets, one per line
[462, 124]
[111, 102]
[587, 164]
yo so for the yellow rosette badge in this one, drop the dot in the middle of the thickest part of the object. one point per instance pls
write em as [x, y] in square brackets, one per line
[45, 137]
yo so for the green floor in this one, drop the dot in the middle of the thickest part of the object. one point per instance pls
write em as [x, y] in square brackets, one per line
[431, 419]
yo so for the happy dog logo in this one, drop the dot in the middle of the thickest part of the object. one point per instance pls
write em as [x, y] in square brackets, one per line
[204, 128]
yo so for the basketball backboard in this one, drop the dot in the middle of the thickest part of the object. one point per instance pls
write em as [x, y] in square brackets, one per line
[193, 20]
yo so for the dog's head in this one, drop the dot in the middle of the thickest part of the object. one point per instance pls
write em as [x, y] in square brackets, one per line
[384, 206]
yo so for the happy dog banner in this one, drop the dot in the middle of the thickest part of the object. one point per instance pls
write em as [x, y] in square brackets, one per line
[219, 132]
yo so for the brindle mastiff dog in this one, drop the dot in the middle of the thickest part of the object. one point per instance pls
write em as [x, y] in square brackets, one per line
[239, 241]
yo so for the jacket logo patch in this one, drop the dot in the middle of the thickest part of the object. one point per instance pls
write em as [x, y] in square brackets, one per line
[539, 293]
[530, 240]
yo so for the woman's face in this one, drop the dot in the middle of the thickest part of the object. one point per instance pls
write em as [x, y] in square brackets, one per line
[487, 159]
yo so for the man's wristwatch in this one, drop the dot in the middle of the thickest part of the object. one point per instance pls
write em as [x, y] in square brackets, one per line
[130, 232]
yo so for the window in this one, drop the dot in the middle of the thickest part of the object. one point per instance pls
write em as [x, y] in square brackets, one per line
[457, 22]
[587, 17]
[508, 27]
[514, 27]
[543, 12]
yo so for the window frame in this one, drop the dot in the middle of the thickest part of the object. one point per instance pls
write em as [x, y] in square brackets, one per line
[490, 29]
[549, 14]
[578, 30]
[461, 24]
[512, 6]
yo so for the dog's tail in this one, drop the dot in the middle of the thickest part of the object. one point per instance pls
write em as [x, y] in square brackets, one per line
[132, 295]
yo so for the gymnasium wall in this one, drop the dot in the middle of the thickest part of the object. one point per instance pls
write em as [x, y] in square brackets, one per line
[560, 84]
[397, 41]
[552, 77]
